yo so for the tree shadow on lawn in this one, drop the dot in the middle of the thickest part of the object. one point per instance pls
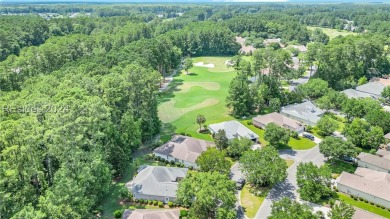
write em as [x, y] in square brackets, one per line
[168, 94]
[167, 131]
[192, 74]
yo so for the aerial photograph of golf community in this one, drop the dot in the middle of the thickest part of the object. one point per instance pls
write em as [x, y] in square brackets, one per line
[194, 109]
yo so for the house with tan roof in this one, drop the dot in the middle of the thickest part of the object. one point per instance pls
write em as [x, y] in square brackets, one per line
[157, 183]
[280, 120]
[183, 149]
[373, 162]
[151, 214]
[363, 214]
[371, 185]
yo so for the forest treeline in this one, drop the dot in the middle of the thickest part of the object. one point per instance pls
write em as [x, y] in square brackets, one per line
[79, 95]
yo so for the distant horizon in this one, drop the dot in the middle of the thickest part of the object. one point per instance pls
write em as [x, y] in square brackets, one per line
[193, 1]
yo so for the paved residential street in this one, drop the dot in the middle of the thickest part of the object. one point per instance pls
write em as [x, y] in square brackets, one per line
[236, 174]
[289, 186]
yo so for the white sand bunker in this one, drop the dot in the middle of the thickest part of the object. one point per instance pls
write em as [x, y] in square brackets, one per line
[201, 64]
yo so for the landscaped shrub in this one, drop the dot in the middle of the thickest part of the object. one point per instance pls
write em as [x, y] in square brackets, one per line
[160, 204]
[372, 203]
[309, 128]
[155, 202]
[189, 135]
[182, 133]
[191, 167]
[294, 135]
[170, 204]
[366, 201]
[118, 213]
[377, 205]
[382, 207]
[331, 202]
[249, 122]
[360, 199]
[150, 202]
[136, 200]
[183, 213]
[172, 162]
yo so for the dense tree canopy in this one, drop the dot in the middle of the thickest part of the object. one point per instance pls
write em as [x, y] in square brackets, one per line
[291, 209]
[337, 148]
[210, 195]
[213, 160]
[313, 182]
[263, 167]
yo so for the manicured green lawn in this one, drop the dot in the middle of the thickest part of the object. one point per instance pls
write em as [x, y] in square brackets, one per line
[289, 162]
[301, 144]
[250, 202]
[332, 33]
[338, 166]
[366, 206]
[189, 96]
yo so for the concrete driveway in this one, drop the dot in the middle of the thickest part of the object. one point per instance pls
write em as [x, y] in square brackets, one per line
[235, 174]
[289, 187]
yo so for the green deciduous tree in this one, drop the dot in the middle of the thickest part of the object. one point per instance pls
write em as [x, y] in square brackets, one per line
[220, 139]
[238, 146]
[213, 160]
[336, 148]
[239, 99]
[313, 182]
[187, 64]
[363, 135]
[263, 167]
[341, 211]
[275, 134]
[327, 125]
[210, 195]
[291, 209]
[314, 88]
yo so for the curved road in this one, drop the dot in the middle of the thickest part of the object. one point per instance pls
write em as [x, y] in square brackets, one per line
[289, 186]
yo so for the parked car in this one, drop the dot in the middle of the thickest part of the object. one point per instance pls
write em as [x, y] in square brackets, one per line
[348, 159]
[240, 183]
[309, 136]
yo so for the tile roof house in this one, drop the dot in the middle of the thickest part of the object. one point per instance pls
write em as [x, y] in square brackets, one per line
[151, 214]
[183, 149]
[352, 93]
[305, 112]
[373, 162]
[368, 184]
[362, 214]
[157, 183]
[384, 154]
[233, 130]
[279, 119]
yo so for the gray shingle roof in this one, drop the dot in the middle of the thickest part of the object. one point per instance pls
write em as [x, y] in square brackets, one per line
[352, 93]
[184, 148]
[157, 181]
[305, 111]
[374, 88]
[233, 129]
